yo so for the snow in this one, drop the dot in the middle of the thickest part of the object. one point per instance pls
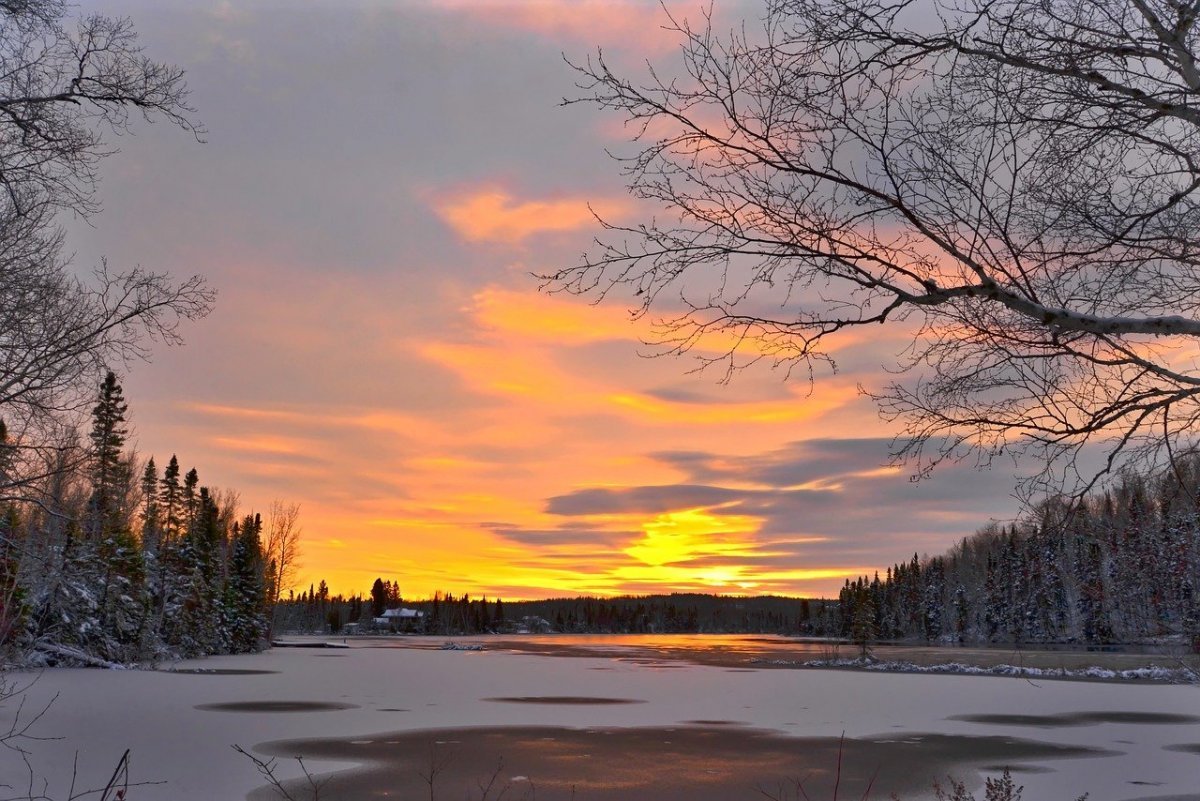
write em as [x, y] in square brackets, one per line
[100, 713]
[1180, 675]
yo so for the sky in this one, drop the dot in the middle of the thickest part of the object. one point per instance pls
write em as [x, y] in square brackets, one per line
[380, 183]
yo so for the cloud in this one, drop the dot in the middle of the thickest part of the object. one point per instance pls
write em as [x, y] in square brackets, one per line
[798, 407]
[638, 500]
[564, 319]
[637, 25]
[563, 537]
[553, 318]
[557, 357]
[494, 215]
[679, 395]
[796, 464]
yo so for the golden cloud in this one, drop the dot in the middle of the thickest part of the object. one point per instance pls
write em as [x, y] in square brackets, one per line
[491, 214]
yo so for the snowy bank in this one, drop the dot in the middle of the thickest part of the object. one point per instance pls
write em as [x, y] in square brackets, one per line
[1177, 675]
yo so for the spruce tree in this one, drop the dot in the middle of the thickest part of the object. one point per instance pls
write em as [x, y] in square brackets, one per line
[194, 622]
[108, 472]
[191, 501]
[171, 500]
[7, 455]
[245, 597]
[379, 598]
[150, 512]
[864, 627]
[12, 595]
[111, 562]
[124, 605]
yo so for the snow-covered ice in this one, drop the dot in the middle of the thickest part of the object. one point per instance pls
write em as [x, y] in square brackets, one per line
[181, 726]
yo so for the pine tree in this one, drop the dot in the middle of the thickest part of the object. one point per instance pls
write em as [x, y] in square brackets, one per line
[379, 598]
[150, 511]
[932, 603]
[195, 620]
[191, 501]
[12, 595]
[107, 471]
[245, 597]
[124, 605]
[864, 628]
[171, 500]
[117, 568]
[7, 456]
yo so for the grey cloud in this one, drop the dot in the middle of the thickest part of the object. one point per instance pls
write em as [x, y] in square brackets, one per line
[676, 395]
[646, 500]
[564, 535]
[793, 464]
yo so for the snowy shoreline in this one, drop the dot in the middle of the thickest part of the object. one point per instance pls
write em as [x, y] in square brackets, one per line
[765, 652]
[753, 652]
[1152, 673]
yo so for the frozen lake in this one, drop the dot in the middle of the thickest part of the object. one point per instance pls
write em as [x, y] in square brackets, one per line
[611, 723]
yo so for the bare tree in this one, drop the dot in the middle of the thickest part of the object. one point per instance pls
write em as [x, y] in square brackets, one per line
[281, 549]
[63, 84]
[1010, 183]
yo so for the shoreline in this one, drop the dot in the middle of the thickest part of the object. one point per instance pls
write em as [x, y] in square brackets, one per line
[776, 652]
[1094, 673]
[751, 652]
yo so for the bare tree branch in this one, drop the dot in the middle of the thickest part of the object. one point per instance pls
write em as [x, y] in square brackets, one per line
[1012, 182]
[62, 87]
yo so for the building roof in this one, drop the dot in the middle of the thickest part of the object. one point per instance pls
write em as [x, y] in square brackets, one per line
[401, 612]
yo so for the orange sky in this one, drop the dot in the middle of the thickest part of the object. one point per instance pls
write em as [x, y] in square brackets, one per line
[379, 183]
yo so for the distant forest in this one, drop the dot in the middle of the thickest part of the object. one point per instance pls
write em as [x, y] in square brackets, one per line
[447, 614]
[119, 562]
[1120, 567]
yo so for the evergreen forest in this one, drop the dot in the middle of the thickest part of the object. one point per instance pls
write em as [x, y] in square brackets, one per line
[1121, 566]
[115, 560]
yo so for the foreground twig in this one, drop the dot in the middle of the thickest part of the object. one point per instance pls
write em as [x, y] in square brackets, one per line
[267, 769]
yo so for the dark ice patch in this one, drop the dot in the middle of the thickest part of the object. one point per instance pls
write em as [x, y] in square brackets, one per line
[569, 700]
[1067, 719]
[276, 706]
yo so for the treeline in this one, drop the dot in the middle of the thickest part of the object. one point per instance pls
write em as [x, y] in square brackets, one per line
[1122, 566]
[678, 614]
[315, 610]
[116, 561]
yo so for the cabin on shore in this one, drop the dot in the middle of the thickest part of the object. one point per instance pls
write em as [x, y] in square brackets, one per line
[400, 619]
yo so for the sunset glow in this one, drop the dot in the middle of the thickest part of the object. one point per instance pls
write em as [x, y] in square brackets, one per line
[382, 353]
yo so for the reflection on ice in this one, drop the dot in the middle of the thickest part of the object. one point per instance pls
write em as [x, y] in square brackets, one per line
[702, 763]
